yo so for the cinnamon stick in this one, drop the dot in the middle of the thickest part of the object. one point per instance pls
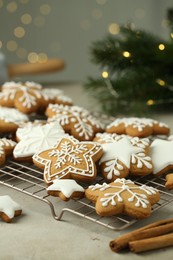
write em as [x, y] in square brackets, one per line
[151, 243]
[155, 229]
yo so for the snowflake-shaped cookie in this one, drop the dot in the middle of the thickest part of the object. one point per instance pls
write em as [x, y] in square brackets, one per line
[69, 159]
[26, 97]
[162, 156]
[75, 120]
[123, 197]
[66, 189]
[6, 148]
[9, 208]
[36, 138]
[141, 127]
[123, 155]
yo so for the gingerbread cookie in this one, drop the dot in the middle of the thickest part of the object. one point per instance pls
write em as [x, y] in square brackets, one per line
[69, 159]
[169, 181]
[161, 155]
[36, 138]
[6, 148]
[10, 119]
[123, 155]
[75, 120]
[66, 189]
[56, 96]
[26, 97]
[141, 127]
[123, 197]
[9, 208]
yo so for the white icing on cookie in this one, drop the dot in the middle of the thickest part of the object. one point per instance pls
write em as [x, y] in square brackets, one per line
[37, 138]
[8, 206]
[12, 115]
[141, 200]
[161, 154]
[67, 187]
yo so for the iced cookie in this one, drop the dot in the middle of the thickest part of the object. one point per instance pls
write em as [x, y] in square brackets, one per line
[10, 119]
[162, 156]
[26, 97]
[69, 159]
[9, 208]
[66, 189]
[123, 197]
[141, 127]
[6, 148]
[75, 120]
[36, 138]
[55, 96]
[123, 155]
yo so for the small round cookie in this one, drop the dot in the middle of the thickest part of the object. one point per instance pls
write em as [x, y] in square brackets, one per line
[10, 119]
[161, 156]
[9, 208]
[123, 155]
[75, 120]
[141, 127]
[69, 159]
[36, 138]
[6, 148]
[123, 197]
[66, 189]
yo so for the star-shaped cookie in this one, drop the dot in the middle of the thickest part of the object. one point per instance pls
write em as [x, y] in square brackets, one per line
[66, 189]
[123, 197]
[161, 152]
[69, 159]
[123, 155]
[9, 208]
[38, 138]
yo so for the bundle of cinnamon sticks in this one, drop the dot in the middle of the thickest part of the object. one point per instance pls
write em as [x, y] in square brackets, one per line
[157, 235]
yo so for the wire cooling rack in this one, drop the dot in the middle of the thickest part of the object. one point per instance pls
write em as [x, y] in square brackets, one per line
[27, 179]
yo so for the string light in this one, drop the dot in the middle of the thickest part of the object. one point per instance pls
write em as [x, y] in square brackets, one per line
[12, 7]
[11, 45]
[42, 57]
[21, 53]
[33, 57]
[150, 102]
[171, 35]
[114, 28]
[26, 19]
[161, 82]
[126, 54]
[19, 32]
[161, 47]
[105, 74]
[45, 9]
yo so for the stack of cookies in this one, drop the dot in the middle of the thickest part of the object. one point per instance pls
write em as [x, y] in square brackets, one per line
[72, 146]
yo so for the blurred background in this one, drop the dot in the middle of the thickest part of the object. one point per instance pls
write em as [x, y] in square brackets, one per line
[34, 31]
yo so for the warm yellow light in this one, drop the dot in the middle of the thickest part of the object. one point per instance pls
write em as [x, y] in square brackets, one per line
[161, 82]
[42, 57]
[12, 7]
[114, 28]
[26, 19]
[21, 53]
[150, 102]
[161, 47]
[126, 54]
[171, 35]
[45, 9]
[105, 74]
[19, 32]
[11, 45]
[33, 57]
